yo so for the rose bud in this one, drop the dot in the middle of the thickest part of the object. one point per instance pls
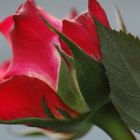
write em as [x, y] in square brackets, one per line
[83, 32]
[32, 81]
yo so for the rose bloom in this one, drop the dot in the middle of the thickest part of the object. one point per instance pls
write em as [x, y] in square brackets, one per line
[32, 73]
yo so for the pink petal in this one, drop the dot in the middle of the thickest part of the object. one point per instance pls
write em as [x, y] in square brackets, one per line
[33, 52]
[21, 97]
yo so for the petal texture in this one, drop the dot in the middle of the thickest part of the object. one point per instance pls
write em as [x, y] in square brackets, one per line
[33, 51]
[82, 30]
[32, 74]
[21, 97]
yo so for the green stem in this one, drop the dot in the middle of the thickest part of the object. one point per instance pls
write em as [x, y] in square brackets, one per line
[109, 120]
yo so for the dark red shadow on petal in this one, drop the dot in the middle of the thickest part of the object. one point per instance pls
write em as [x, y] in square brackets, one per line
[21, 97]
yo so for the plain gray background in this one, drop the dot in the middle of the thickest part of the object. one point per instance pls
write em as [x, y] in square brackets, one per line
[60, 8]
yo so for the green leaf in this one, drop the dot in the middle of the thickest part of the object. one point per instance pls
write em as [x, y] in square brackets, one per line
[91, 77]
[121, 54]
[68, 89]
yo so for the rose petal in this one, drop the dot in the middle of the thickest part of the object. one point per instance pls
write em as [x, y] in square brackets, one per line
[5, 26]
[3, 68]
[73, 13]
[96, 10]
[82, 30]
[21, 97]
[33, 52]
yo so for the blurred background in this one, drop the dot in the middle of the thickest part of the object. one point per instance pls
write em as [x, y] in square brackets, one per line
[60, 8]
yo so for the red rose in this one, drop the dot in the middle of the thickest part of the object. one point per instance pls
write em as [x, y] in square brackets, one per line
[82, 30]
[33, 72]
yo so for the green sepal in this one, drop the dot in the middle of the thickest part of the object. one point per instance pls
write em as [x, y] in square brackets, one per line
[65, 114]
[91, 77]
[56, 125]
[47, 110]
[68, 89]
[121, 55]
[31, 134]
[106, 118]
